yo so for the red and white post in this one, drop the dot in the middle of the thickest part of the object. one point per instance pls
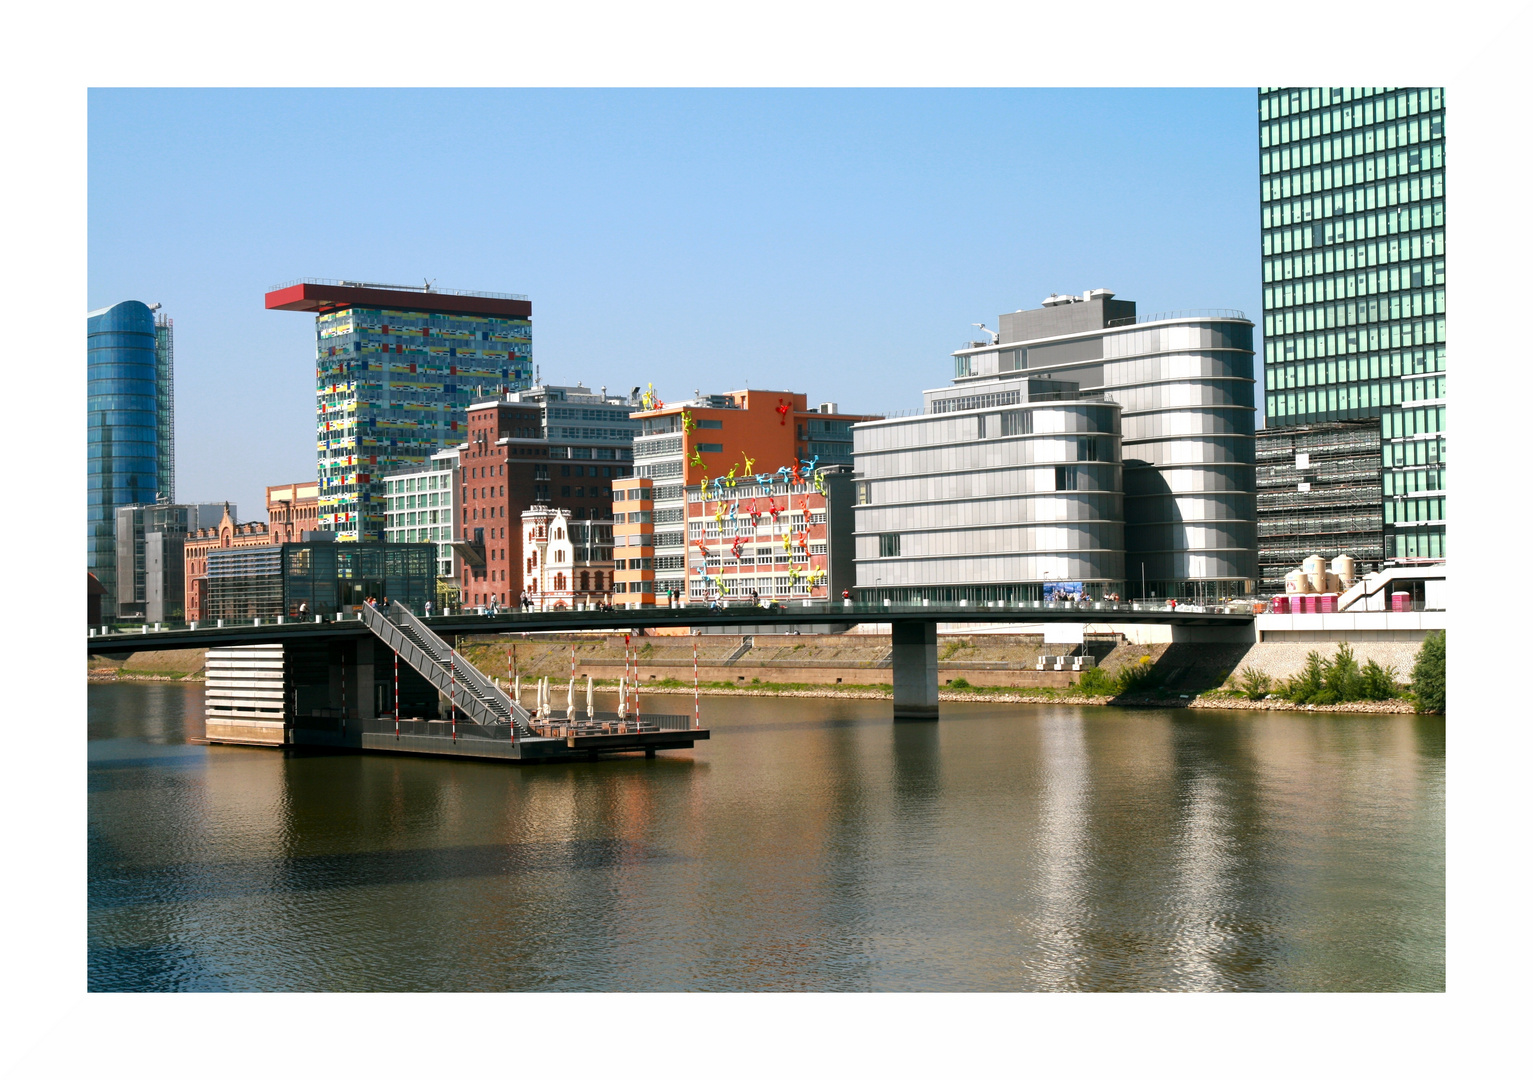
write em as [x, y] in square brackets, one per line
[697, 709]
[396, 693]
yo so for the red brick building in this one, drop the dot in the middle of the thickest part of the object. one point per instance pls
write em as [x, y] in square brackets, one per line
[292, 510]
[226, 534]
[503, 470]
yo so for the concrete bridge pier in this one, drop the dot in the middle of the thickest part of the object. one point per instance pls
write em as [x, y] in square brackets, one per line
[915, 670]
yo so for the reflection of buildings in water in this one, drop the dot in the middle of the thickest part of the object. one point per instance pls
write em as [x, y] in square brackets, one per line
[1205, 896]
[1060, 894]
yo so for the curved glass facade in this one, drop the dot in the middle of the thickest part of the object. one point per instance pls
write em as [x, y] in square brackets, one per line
[1187, 392]
[990, 503]
[122, 428]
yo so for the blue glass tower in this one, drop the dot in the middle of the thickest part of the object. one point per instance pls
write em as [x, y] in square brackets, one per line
[123, 423]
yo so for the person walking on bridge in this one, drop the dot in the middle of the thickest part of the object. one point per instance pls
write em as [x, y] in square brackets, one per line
[428, 609]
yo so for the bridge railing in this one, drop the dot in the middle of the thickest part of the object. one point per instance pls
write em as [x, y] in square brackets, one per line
[741, 611]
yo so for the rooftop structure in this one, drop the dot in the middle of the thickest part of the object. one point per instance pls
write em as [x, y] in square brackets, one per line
[396, 370]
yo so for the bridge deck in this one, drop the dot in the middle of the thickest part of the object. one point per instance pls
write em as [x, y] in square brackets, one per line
[202, 636]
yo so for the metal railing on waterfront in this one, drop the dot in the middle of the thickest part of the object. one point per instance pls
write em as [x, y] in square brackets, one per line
[554, 728]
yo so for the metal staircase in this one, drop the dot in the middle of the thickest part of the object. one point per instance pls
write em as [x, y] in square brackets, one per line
[441, 665]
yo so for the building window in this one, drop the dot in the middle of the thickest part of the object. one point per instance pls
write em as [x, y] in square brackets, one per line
[1066, 477]
[1017, 423]
[888, 545]
[709, 448]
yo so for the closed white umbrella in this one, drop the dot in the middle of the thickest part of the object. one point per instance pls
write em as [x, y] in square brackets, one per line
[569, 700]
[518, 689]
[590, 699]
[622, 698]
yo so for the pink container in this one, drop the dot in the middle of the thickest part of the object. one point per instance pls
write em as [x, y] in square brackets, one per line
[1327, 603]
[1310, 604]
[1280, 605]
[1400, 601]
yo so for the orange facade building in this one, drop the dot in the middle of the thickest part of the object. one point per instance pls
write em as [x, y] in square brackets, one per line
[742, 434]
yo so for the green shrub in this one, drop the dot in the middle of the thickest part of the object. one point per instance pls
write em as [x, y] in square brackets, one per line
[1429, 677]
[1139, 676]
[1343, 679]
[959, 683]
[1096, 681]
[1255, 684]
[1309, 684]
[1379, 683]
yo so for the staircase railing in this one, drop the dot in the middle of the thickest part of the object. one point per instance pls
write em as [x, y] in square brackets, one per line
[445, 668]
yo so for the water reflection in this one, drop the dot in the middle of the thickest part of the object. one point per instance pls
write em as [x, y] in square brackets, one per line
[809, 845]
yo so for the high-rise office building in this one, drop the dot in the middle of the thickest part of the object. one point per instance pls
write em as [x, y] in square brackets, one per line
[129, 427]
[1353, 283]
[396, 369]
[1188, 489]
[165, 400]
[149, 556]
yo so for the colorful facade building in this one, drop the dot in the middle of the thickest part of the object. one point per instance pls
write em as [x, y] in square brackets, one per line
[767, 541]
[396, 369]
[733, 435]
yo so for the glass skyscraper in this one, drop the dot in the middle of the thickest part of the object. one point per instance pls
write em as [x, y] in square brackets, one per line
[129, 419]
[1354, 283]
[396, 369]
[165, 402]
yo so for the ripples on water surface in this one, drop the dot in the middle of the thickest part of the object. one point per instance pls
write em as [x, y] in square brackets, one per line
[812, 845]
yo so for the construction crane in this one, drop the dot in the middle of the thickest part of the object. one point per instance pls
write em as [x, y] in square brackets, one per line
[995, 337]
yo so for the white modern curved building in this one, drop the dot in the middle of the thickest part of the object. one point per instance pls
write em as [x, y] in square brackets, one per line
[1083, 445]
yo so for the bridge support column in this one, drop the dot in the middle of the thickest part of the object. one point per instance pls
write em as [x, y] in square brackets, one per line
[915, 670]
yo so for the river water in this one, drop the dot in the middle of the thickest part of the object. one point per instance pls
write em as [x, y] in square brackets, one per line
[810, 845]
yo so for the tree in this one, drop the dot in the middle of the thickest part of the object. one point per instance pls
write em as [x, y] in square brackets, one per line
[1429, 678]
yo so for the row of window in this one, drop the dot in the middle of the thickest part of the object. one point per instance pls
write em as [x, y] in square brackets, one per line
[1355, 369]
[1387, 133]
[1367, 102]
[1400, 510]
[1408, 422]
[1405, 193]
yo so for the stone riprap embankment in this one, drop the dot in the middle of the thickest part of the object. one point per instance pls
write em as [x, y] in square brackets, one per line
[151, 665]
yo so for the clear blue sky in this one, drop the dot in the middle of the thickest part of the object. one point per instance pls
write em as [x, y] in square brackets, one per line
[837, 243]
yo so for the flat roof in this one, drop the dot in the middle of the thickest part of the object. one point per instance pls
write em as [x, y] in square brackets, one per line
[320, 296]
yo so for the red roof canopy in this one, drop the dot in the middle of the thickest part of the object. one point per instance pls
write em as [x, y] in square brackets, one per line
[308, 296]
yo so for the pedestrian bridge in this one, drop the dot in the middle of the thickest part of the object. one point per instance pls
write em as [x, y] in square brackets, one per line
[332, 639]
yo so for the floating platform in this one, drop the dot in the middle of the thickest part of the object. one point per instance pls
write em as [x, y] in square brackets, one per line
[578, 742]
